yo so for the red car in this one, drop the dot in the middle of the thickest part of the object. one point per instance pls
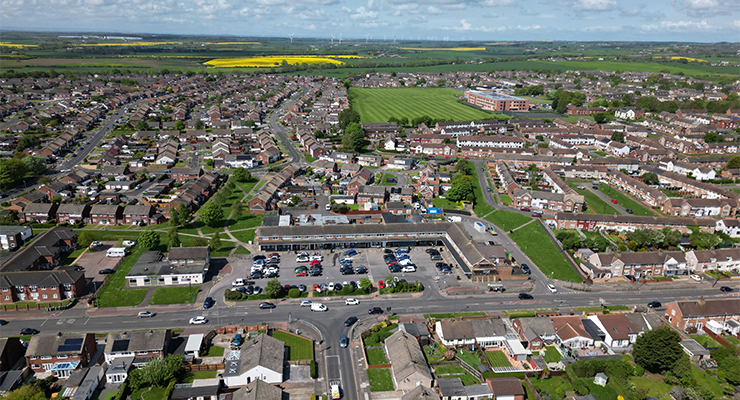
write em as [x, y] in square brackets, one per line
[301, 273]
[381, 284]
[315, 263]
[315, 287]
[614, 201]
[525, 209]
[274, 255]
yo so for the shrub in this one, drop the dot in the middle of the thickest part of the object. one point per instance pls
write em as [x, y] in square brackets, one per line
[347, 290]
[313, 369]
[294, 293]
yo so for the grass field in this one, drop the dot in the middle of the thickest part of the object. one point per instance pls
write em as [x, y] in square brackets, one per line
[190, 376]
[480, 208]
[595, 203]
[376, 356]
[507, 220]
[705, 340]
[626, 201]
[299, 348]
[377, 105]
[174, 295]
[113, 294]
[380, 380]
[535, 243]
[505, 199]
[245, 236]
[497, 359]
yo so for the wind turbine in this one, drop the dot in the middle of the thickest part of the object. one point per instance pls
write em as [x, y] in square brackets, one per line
[340, 39]
[402, 38]
[367, 35]
[291, 37]
[394, 39]
[332, 39]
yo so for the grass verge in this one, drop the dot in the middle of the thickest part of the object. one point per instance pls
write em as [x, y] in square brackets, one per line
[298, 347]
[175, 295]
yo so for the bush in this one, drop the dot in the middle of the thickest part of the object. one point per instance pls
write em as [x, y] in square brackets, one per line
[294, 293]
[347, 290]
[313, 369]
[639, 370]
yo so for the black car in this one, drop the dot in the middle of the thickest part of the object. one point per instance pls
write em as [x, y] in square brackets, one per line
[654, 304]
[525, 296]
[526, 269]
[395, 268]
[361, 270]
[726, 289]
[241, 289]
[29, 331]
[431, 251]
[629, 210]
[255, 275]
[106, 271]
[78, 267]
[271, 274]
[351, 320]
[375, 310]
[265, 305]
[249, 289]
[3, 322]
[314, 272]
[388, 251]
[347, 271]
[208, 303]
[440, 265]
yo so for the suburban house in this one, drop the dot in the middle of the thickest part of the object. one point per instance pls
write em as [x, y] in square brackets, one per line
[659, 263]
[260, 358]
[571, 332]
[421, 393]
[182, 174]
[709, 260]
[506, 388]
[617, 328]
[12, 237]
[60, 353]
[409, 367]
[183, 265]
[142, 215]
[535, 332]
[39, 212]
[73, 213]
[695, 314]
[258, 390]
[102, 214]
[140, 346]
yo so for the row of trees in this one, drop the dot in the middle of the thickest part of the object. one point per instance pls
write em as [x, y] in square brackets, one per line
[13, 170]
[462, 188]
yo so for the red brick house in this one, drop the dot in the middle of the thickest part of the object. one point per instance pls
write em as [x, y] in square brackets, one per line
[686, 314]
[141, 214]
[182, 174]
[506, 388]
[101, 214]
[39, 212]
[61, 353]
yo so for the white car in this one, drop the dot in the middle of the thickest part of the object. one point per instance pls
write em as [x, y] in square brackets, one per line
[330, 286]
[301, 259]
[128, 243]
[306, 303]
[256, 268]
[96, 244]
[405, 261]
[318, 307]
[272, 270]
[238, 282]
[352, 302]
[552, 288]
[317, 257]
[198, 320]
[408, 268]
[696, 278]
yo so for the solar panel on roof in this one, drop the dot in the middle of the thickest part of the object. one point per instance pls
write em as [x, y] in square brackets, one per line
[67, 348]
[74, 341]
[120, 345]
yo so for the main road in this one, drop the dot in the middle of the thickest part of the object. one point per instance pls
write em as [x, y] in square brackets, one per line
[279, 130]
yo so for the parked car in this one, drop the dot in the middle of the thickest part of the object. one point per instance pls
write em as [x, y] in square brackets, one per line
[145, 314]
[238, 282]
[128, 243]
[375, 310]
[198, 320]
[654, 304]
[726, 289]
[266, 305]
[629, 210]
[208, 302]
[29, 331]
[695, 277]
[381, 284]
[361, 269]
[525, 296]
[106, 271]
[525, 209]
[351, 302]
[436, 257]
[409, 268]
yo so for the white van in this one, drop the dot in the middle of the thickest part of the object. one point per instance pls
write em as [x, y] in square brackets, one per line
[318, 307]
[116, 252]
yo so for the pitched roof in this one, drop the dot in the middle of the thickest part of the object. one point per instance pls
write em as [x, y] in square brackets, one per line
[61, 343]
[263, 350]
[117, 342]
[697, 308]
[406, 356]
[505, 386]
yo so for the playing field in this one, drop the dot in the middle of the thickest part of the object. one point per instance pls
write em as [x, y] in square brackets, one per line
[377, 105]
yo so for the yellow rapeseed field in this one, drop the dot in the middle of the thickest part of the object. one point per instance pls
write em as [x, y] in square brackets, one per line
[688, 59]
[445, 48]
[129, 44]
[17, 46]
[269, 61]
[230, 43]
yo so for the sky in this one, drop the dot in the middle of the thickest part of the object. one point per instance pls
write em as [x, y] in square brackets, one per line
[479, 20]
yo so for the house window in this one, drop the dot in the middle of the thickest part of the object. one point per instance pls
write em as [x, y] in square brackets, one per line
[44, 296]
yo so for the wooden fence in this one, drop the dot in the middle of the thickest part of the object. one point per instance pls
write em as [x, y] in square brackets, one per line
[203, 367]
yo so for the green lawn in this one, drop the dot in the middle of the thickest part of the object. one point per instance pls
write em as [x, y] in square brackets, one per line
[552, 355]
[705, 340]
[245, 236]
[533, 240]
[497, 359]
[471, 358]
[508, 220]
[149, 393]
[380, 380]
[175, 295]
[376, 356]
[626, 201]
[226, 247]
[190, 376]
[445, 204]
[385, 183]
[377, 105]
[654, 383]
[298, 348]
[593, 201]
[551, 385]
[113, 294]
[245, 221]
[449, 369]
[242, 250]
[705, 380]
[481, 208]
[214, 351]
[505, 199]
[732, 339]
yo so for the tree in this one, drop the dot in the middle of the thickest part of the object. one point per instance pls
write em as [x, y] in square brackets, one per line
[211, 214]
[712, 137]
[734, 163]
[149, 239]
[44, 180]
[175, 220]
[141, 126]
[347, 117]
[651, 178]
[160, 371]
[464, 167]
[35, 164]
[273, 288]
[26, 392]
[179, 125]
[618, 136]
[354, 137]
[365, 284]
[173, 238]
[199, 124]
[85, 238]
[729, 364]
[599, 118]
[183, 213]
[215, 242]
[658, 350]
[461, 189]
[238, 207]
[242, 175]
[12, 172]
[295, 200]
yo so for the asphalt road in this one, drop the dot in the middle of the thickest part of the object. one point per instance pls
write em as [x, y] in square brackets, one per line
[280, 130]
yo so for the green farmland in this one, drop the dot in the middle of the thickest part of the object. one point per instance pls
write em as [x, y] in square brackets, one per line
[378, 105]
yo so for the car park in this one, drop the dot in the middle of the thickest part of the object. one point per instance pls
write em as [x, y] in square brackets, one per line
[654, 304]
[525, 296]
[266, 305]
[375, 310]
[351, 302]
[350, 321]
[145, 314]
[198, 320]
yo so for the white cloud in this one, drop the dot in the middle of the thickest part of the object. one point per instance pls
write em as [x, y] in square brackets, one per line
[466, 26]
[680, 26]
[703, 7]
[432, 10]
[736, 23]
[599, 28]
[362, 13]
[498, 3]
[595, 5]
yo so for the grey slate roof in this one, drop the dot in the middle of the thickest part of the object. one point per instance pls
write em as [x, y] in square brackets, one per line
[136, 341]
[264, 351]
